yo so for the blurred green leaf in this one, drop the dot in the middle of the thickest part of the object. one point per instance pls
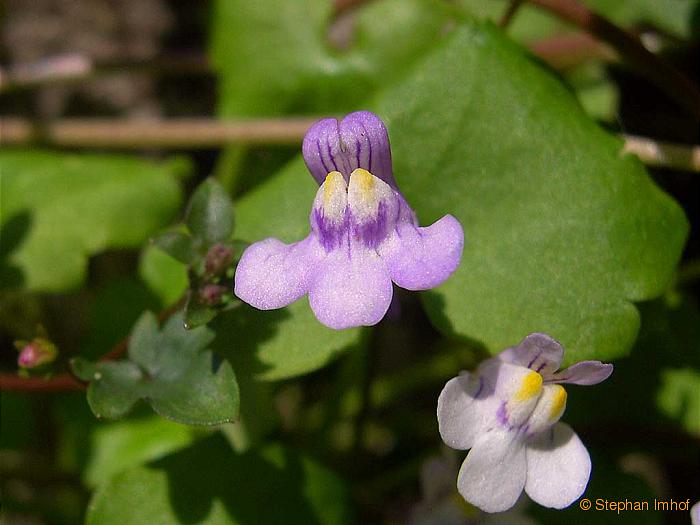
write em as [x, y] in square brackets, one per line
[178, 245]
[210, 484]
[273, 345]
[274, 57]
[562, 233]
[164, 276]
[116, 447]
[196, 313]
[58, 209]
[210, 213]
[171, 369]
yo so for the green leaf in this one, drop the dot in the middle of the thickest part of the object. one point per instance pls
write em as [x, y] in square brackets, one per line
[178, 245]
[164, 276]
[171, 369]
[59, 209]
[209, 484]
[116, 447]
[210, 213]
[562, 232]
[663, 374]
[196, 313]
[279, 344]
[274, 57]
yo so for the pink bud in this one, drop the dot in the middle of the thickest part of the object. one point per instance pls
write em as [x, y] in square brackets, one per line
[37, 352]
[210, 294]
[219, 258]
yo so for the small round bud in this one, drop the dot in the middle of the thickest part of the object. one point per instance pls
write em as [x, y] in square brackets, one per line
[210, 294]
[219, 258]
[37, 352]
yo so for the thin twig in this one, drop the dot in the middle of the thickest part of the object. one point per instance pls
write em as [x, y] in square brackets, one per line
[74, 67]
[68, 382]
[663, 154]
[509, 13]
[569, 50]
[676, 85]
[146, 134]
[208, 133]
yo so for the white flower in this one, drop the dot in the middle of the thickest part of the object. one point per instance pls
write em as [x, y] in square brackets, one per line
[695, 514]
[507, 413]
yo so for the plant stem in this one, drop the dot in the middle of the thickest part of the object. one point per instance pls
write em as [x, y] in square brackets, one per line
[663, 154]
[663, 75]
[67, 382]
[200, 133]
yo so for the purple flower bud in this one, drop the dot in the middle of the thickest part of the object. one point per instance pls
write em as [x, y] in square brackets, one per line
[210, 294]
[37, 352]
[219, 258]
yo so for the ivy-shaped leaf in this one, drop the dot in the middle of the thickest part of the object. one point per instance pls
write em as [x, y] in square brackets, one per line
[562, 232]
[173, 370]
[209, 484]
[59, 209]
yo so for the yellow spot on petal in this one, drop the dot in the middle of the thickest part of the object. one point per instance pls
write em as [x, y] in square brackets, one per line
[558, 402]
[332, 185]
[530, 387]
[364, 180]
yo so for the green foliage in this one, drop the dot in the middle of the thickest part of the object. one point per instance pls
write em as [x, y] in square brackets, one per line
[122, 445]
[209, 218]
[59, 209]
[172, 369]
[562, 233]
[209, 484]
[278, 344]
[284, 63]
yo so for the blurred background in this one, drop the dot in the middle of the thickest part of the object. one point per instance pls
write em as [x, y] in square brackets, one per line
[174, 92]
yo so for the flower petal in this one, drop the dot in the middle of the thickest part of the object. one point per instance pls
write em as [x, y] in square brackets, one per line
[353, 288]
[537, 351]
[366, 141]
[322, 150]
[558, 467]
[360, 140]
[422, 258]
[695, 514]
[466, 408]
[493, 475]
[583, 373]
[272, 274]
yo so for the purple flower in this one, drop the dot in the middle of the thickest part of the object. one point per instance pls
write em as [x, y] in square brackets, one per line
[364, 235]
[508, 414]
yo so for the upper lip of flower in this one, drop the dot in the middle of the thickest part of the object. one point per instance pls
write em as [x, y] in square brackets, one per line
[508, 413]
[364, 235]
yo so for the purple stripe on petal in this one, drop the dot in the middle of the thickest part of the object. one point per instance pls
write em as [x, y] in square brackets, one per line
[320, 139]
[583, 373]
[375, 150]
[538, 352]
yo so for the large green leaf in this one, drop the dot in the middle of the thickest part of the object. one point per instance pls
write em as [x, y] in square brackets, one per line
[274, 56]
[125, 444]
[59, 209]
[278, 344]
[562, 232]
[209, 484]
[172, 369]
